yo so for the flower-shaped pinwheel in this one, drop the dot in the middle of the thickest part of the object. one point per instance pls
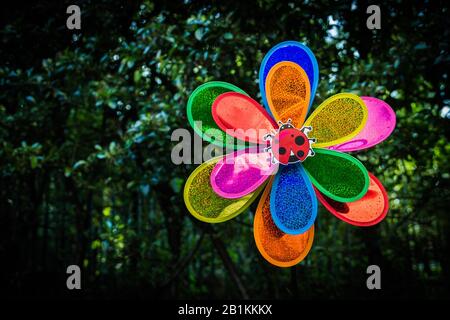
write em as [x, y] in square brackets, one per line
[297, 162]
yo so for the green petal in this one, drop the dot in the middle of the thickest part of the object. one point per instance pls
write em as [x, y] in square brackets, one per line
[337, 175]
[199, 109]
[204, 204]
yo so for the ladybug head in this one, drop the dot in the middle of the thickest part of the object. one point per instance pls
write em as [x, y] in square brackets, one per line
[286, 125]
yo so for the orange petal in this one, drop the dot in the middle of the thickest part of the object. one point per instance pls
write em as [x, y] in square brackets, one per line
[288, 92]
[367, 211]
[277, 247]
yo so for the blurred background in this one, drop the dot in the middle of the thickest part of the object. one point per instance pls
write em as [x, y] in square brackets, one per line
[85, 172]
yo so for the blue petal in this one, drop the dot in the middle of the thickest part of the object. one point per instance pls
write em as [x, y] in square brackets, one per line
[293, 202]
[289, 51]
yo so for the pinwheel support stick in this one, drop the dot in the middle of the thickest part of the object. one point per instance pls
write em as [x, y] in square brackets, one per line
[184, 263]
[294, 281]
[228, 263]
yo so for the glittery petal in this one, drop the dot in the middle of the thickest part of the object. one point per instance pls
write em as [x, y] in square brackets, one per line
[289, 51]
[288, 92]
[242, 117]
[293, 202]
[367, 211]
[337, 175]
[204, 204]
[338, 119]
[277, 247]
[239, 173]
[199, 111]
[379, 126]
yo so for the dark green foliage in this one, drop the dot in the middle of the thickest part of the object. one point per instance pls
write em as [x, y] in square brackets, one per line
[85, 125]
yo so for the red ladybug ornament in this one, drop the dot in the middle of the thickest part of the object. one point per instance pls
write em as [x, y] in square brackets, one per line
[289, 144]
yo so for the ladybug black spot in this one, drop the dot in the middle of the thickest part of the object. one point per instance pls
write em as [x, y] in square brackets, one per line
[299, 140]
[300, 153]
[282, 150]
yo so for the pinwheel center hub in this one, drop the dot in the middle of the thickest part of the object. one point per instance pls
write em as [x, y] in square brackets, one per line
[289, 144]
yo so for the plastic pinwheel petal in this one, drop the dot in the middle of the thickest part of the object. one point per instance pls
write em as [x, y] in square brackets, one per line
[289, 51]
[277, 247]
[380, 124]
[243, 117]
[288, 92]
[204, 204]
[199, 111]
[367, 211]
[242, 172]
[293, 202]
[338, 119]
[337, 175]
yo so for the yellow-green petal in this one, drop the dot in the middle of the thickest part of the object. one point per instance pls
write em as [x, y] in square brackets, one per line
[204, 204]
[337, 120]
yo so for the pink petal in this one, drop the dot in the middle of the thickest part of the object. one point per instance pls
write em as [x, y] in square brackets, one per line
[379, 126]
[242, 172]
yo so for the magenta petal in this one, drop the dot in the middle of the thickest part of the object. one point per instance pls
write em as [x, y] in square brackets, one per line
[380, 124]
[242, 172]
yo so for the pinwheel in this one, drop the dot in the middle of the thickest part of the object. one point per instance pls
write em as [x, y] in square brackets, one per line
[290, 158]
